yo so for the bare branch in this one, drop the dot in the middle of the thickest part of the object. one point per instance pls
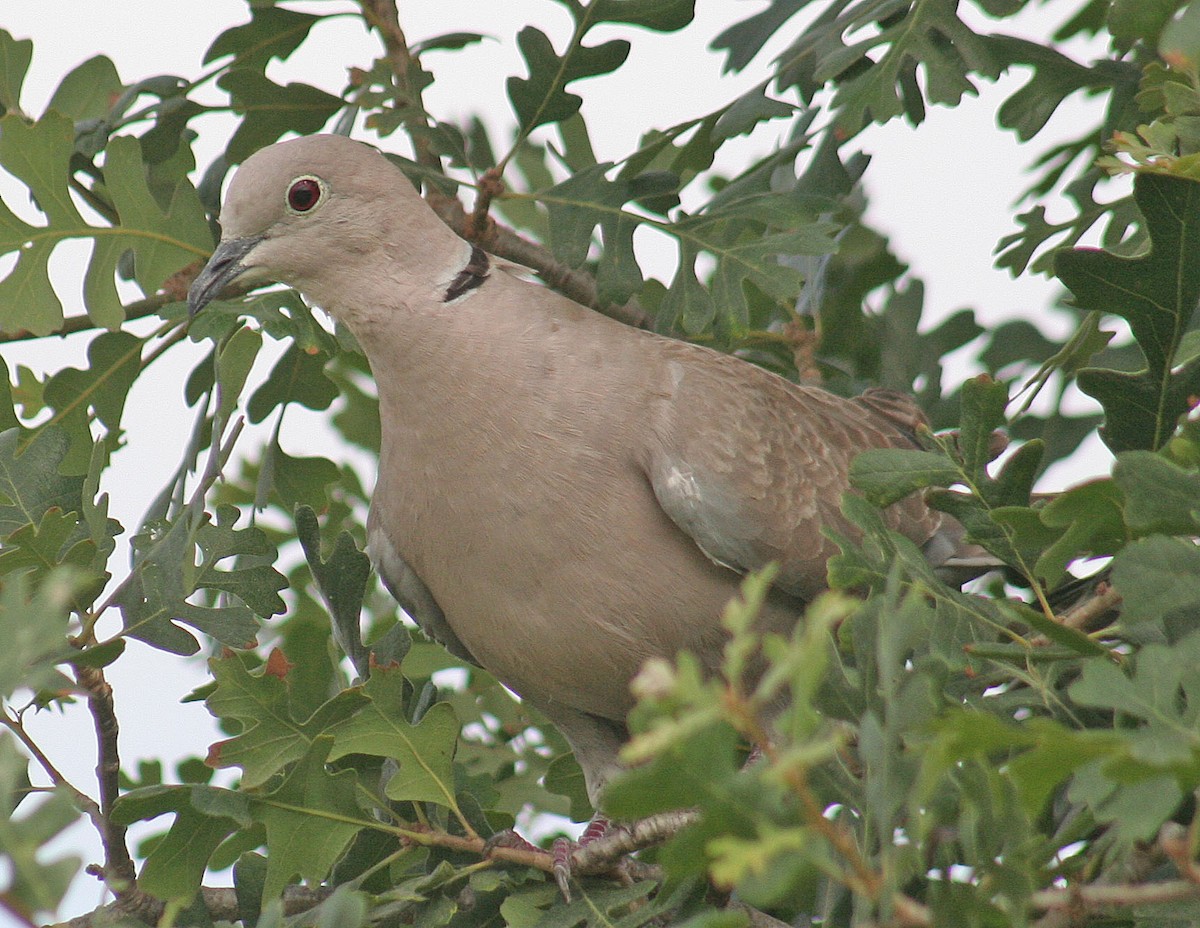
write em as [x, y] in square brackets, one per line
[1117, 895]
[603, 853]
[85, 802]
[220, 901]
[1089, 610]
[119, 872]
[382, 15]
[505, 243]
[137, 310]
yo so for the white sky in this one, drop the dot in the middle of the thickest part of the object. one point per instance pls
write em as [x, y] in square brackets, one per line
[945, 193]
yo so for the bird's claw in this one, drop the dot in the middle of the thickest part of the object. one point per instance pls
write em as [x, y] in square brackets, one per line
[561, 851]
[510, 839]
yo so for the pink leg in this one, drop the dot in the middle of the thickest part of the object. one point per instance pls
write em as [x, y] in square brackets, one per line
[563, 848]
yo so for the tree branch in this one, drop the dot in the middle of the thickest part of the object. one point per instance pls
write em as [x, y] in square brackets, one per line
[139, 309]
[382, 16]
[505, 243]
[86, 803]
[220, 901]
[602, 854]
[1086, 612]
[1116, 895]
[119, 873]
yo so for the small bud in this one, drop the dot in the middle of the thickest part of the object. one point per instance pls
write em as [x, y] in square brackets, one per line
[656, 680]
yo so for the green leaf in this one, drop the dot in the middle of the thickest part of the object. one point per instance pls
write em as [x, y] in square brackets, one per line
[1157, 576]
[1131, 20]
[887, 475]
[15, 55]
[748, 111]
[424, 751]
[57, 540]
[1159, 496]
[872, 561]
[577, 205]
[311, 819]
[742, 41]
[688, 301]
[693, 771]
[234, 363]
[450, 42]
[297, 377]
[659, 15]
[257, 585]
[983, 404]
[1054, 77]
[8, 412]
[205, 816]
[32, 881]
[748, 236]
[1157, 294]
[1045, 753]
[114, 363]
[165, 235]
[270, 110]
[618, 275]
[877, 75]
[33, 627]
[88, 91]
[301, 480]
[1162, 693]
[30, 482]
[273, 32]
[342, 580]
[1090, 518]
[162, 238]
[541, 97]
[564, 777]
[272, 737]
[165, 574]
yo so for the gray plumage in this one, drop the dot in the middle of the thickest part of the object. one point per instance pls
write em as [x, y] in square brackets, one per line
[560, 497]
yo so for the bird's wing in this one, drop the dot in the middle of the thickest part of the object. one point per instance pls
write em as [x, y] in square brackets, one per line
[411, 592]
[753, 467]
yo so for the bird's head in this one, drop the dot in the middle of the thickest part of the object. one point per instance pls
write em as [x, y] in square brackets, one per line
[312, 212]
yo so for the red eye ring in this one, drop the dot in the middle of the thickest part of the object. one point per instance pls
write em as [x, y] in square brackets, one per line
[304, 194]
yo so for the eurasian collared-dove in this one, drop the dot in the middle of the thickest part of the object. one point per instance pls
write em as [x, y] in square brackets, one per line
[560, 497]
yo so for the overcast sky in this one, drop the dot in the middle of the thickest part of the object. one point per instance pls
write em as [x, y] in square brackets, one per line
[945, 193]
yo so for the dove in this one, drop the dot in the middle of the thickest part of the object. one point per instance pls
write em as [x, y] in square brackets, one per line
[560, 497]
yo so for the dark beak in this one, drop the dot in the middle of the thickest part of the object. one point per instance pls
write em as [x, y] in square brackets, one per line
[223, 268]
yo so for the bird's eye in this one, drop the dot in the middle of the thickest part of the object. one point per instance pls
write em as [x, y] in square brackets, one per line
[304, 194]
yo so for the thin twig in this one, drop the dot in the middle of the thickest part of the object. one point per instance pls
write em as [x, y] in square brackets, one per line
[1117, 895]
[136, 310]
[1084, 613]
[85, 802]
[220, 901]
[505, 243]
[863, 878]
[18, 915]
[382, 15]
[490, 186]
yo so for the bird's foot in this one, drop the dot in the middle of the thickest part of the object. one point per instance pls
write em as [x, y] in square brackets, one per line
[561, 851]
[509, 838]
[564, 848]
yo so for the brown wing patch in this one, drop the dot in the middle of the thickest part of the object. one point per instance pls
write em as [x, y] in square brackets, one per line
[753, 467]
